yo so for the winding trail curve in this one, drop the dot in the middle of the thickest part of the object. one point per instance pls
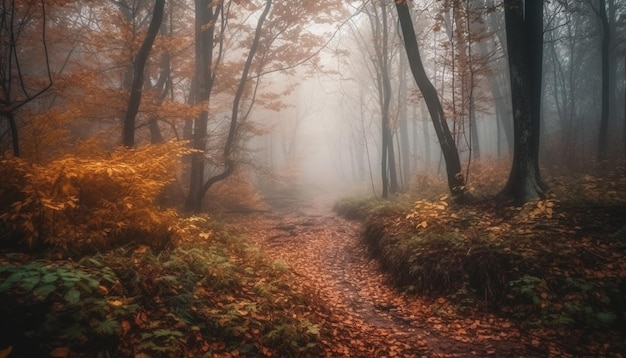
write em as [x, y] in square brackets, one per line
[367, 316]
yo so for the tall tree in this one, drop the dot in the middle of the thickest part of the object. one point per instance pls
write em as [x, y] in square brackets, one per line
[404, 152]
[524, 33]
[203, 80]
[603, 136]
[381, 32]
[456, 180]
[128, 131]
[207, 14]
[16, 88]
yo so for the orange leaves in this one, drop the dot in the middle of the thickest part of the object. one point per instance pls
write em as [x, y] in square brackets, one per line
[125, 327]
[426, 212]
[542, 208]
[75, 200]
[366, 317]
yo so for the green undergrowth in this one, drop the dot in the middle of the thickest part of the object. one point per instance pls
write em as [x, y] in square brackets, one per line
[212, 294]
[549, 264]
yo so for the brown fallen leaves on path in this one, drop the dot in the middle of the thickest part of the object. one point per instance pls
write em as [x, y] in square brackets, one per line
[365, 317]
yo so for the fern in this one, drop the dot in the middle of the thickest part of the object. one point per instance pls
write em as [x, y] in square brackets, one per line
[107, 327]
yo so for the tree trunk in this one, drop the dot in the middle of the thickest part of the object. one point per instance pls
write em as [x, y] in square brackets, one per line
[525, 48]
[404, 153]
[229, 163]
[195, 203]
[201, 92]
[624, 127]
[15, 139]
[456, 181]
[128, 131]
[380, 28]
[503, 116]
[425, 137]
[11, 71]
[163, 87]
[604, 116]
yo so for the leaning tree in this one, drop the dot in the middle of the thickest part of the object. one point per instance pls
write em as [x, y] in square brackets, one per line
[456, 180]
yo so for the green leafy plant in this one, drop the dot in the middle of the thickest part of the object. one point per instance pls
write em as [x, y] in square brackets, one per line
[161, 341]
[65, 301]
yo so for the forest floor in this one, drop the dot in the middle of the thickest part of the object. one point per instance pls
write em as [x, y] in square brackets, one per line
[366, 316]
[291, 278]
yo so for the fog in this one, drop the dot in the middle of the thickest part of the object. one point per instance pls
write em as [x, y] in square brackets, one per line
[335, 115]
[313, 101]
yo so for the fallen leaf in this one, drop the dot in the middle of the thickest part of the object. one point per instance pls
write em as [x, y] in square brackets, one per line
[60, 352]
[125, 327]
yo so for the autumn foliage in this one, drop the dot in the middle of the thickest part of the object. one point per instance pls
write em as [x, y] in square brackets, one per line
[556, 265]
[98, 202]
[211, 295]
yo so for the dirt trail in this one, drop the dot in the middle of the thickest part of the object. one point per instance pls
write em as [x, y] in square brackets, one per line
[367, 317]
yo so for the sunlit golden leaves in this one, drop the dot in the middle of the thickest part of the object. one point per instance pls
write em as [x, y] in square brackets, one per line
[77, 201]
[426, 212]
[542, 207]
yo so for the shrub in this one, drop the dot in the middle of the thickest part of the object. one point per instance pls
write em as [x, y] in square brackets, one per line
[430, 249]
[99, 202]
[357, 207]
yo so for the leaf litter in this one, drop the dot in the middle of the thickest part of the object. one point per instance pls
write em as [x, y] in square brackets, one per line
[365, 315]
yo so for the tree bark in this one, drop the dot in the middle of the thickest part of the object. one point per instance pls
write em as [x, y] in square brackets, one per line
[404, 153]
[229, 163]
[604, 116]
[202, 84]
[10, 31]
[388, 166]
[15, 139]
[524, 31]
[128, 131]
[195, 197]
[456, 180]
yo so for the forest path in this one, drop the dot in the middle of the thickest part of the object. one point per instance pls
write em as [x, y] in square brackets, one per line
[366, 316]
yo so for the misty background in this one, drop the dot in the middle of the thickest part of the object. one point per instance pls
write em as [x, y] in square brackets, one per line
[311, 105]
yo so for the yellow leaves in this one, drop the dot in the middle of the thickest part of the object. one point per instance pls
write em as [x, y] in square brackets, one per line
[115, 303]
[542, 208]
[77, 199]
[426, 212]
